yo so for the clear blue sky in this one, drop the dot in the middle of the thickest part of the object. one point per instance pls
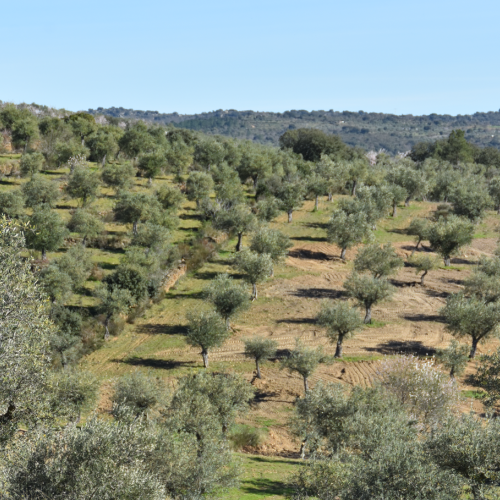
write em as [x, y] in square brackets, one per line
[388, 56]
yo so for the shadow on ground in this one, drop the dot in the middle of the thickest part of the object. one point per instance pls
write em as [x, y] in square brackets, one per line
[406, 347]
[162, 329]
[164, 364]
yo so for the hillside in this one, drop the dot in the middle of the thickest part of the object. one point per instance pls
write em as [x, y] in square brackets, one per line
[371, 131]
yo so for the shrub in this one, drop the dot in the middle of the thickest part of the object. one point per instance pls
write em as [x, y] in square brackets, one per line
[244, 436]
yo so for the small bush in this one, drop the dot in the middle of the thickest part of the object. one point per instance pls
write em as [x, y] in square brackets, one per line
[244, 436]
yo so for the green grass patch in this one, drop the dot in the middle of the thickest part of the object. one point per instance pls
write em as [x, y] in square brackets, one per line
[375, 324]
[264, 478]
[474, 394]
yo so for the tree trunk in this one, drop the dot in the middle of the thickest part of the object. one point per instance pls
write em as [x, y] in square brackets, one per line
[254, 291]
[150, 181]
[44, 254]
[227, 323]
[416, 247]
[447, 261]
[255, 180]
[330, 196]
[84, 241]
[204, 355]
[473, 348]
[452, 372]
[134, 227]
[353, 190]
[316, 204]
[106, 326]
[342, 253]
[498, 210]
[258, 368]
[303, 449]
[104, 160]
[272, 272]
[422, 278]
[407, 202]
[238, 245]
[395, 210]
[306, 385]
[289, 217]
[368, 315]
[338, 350]
[83, 140]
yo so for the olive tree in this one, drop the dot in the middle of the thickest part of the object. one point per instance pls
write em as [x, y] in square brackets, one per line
[368, 291]
[170, 198]
[228, 297]
[454, 358]
[11, 203]
[341, 322]
[260, 349]
[471, 317]
[423, 264]
[471, 200]
[30, 164]
[381, 261]
[272, 242]
[347, 230]
[47, 231]
[398, 194]
[113, 301]
[303, 361]
[152, 164]
[118, 176]
[237, 219]
[133, 208]
[77, 263]
[412, 180]
[83, 184]
[56, 283]
[199, 185]
[257, 267]
[25, 332]
[488, 377]
[86, 224]
[40, 190]
[315, 187]
[419, 228]
[447, 236]
[206, 330]
[494, 191]
[291, 196]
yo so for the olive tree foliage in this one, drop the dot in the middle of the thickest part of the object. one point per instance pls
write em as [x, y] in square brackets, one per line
[133, 208]
[340, 321]
[83, 184]
[56, 283]
[99, 460]
[139, 393]
[113, 301]
[11, 203]
[271, 241]
[47, 231]
[471, 200]
[209, 153]
[118, 177]
[238, 219]
[471, 317]
[199, 185]
[423, 264]
[72, 391]
[25, 330]
[227, 296]
[103, 144]
[152, 164]
[420, 229]
[398, 194]
[30, 164]
[454, 358]
[228, 395]
[88, 225]
[267, 208]
[40, 190]
[380, 261]
[494, 192]
[334, 175]
[77, 263]
[368, 291]
[206, 330]
[291, 196]
[488, 376]
[260, 349]
[315, 187]
[170, 198]
[447, 236]
[426, 392]
[469, 447]
[304, 361]
[257, 267]
[347, 230]
[412, 180]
